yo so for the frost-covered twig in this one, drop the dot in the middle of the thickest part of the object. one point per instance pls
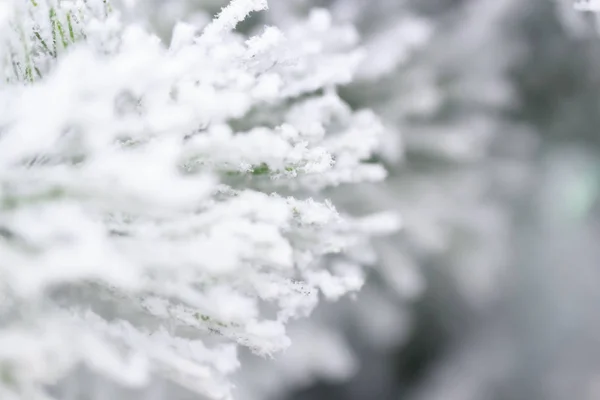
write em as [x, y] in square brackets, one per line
[167, 188]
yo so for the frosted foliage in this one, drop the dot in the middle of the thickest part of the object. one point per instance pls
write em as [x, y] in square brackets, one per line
[155, 201]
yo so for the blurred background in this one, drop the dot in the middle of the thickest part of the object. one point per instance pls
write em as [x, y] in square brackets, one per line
[491, 291]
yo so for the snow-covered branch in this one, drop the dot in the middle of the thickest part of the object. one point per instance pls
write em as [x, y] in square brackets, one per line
[155, 201]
